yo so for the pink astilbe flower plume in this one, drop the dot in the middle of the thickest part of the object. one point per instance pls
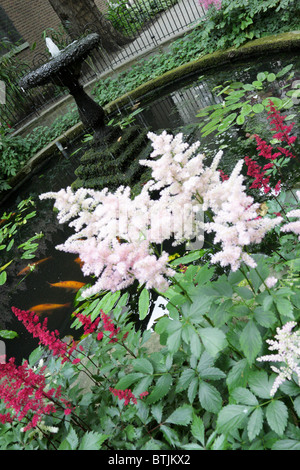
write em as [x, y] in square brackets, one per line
[209, 3]
[25, 393]
[47, 338]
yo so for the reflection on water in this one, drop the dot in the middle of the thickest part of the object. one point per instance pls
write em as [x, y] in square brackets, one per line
[173, 108]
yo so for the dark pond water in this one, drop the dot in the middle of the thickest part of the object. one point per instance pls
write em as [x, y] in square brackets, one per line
[173, 108]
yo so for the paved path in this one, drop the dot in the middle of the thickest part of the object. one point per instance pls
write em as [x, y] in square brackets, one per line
[178, 19]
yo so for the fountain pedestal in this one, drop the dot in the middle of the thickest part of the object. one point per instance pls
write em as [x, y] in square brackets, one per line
[64, 70]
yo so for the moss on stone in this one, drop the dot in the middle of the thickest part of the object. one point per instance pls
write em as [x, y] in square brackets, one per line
[277, 43]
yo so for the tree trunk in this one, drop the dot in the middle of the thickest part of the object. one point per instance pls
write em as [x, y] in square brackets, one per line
[82, 16]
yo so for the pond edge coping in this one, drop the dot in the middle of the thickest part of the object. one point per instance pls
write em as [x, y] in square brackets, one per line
[283, 42]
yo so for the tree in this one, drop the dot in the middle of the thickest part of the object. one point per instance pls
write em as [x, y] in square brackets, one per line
[81, 16]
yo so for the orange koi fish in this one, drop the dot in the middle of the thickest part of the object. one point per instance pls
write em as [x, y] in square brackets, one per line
[32, 265]
[78, 261]
[41, 308]
[70, 285]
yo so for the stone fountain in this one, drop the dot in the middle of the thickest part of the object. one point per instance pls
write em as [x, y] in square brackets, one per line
[64, 69]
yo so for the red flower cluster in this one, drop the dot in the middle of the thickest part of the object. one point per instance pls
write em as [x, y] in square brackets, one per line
[224, 177]
[265, 150]
[109, 326]
[282, 130]
[23, 391]
[126, 395]
[260, 180]
[47, 338]
[88, 326]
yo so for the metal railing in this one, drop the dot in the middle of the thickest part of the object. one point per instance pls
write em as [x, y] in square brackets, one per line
[147, 22]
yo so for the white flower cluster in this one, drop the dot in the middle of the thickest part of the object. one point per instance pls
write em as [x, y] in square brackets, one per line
[115, 234]
[293, 226]
[287, 344]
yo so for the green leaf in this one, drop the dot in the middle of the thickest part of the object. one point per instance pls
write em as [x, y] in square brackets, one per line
[72, 439]
[265, 318]
[209, 397]
[3, 277]
[156, 411]
[8, 334]
[92, 441]
[260, 384]
[232, 417]
[285, 70]
[204, 275]
[240, 119]
[108, 301]
[255, 423]
[185, 379]
[144, 302]
[261, 76]
[142, 365]
[161, 388]
[297, 406]
[244, 292]
[174, 340]
[35, 355]
[212, 373]
[244, 396]
[182, 416]
[258, 108]
[246, 109]
[192, 390]
[195, 344]
[250, 341]
[127, 380]
[284, 306]
[64, 445]
[238, 375]
[286, 444]
[198, 429]
[271, 77]
[194, 255]
[277, 416]
[170, 435]
[213, 339]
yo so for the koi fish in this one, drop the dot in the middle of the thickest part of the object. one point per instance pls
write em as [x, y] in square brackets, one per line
[31, 266]
[78, 261]
[70, 285]
[38, 309]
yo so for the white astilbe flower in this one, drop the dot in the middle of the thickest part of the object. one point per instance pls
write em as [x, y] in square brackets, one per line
[235, 221]
[293, 226]
[288, 346]
[271, 281]
[115, 235]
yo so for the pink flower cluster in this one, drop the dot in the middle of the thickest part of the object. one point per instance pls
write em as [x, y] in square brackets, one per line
[209, 3]
[126, 395]
[115, 233]
[24, 392]
[47, 338]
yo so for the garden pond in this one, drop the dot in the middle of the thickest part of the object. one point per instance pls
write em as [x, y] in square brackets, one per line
[175, 108]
